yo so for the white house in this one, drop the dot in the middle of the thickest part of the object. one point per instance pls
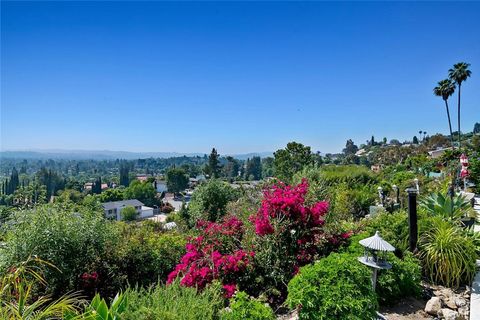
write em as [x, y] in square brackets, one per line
[113, 209]
[434, 154]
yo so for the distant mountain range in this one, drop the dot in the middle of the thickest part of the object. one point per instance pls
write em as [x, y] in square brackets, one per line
[110, 155]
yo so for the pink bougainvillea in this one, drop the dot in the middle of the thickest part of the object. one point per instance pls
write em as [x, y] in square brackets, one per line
[214, 255]
[288, 234]
[298, 226]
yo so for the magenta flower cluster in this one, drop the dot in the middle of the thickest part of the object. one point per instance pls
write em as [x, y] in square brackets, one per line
[284, 213]
[214, 255]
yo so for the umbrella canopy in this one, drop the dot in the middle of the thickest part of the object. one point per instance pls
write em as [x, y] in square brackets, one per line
[377, 243]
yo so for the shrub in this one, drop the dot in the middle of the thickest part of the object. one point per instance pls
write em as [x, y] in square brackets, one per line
[448, 254]
[145, 256]
[173, 302]
[73, 242]
[393, 227]
[352, 202]
[403, 280]
[289, 234]
[349, 174]
[129, 213]
[335, 287]
[216, 254]
[242, 307]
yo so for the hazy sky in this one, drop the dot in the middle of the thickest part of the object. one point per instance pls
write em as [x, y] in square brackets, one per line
[243, 77]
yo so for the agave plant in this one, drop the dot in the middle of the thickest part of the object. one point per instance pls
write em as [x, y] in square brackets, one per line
[448, 208]
[99, 310]
[18, 302]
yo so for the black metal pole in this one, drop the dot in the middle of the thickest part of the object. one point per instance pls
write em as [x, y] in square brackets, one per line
[412, 218]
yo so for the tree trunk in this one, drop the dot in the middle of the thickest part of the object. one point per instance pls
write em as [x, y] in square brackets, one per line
[449, 123]
[459, 142]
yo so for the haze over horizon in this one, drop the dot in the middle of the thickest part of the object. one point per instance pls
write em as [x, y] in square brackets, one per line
[241, 77]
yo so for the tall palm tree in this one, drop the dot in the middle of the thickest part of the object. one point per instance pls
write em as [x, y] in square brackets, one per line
[458, 74]
[445, 89]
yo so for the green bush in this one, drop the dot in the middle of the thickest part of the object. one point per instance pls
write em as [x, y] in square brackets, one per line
[242, 307]
[393, 227]
[448, 254]
[351, 201]
[90, 253]
[173, 302]
[145, 256]
[349, 174]
[335, 287]
[129, 213]
[403, 280]
[73, 242]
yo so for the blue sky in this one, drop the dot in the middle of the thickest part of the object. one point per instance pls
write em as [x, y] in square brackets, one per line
[243, 77]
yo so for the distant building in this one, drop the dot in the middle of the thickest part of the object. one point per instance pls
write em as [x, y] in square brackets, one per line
[376, 168]
[88, 186]
[113, 209]
[104, 186]
[360, 152]
[434, 154]
[142, 177]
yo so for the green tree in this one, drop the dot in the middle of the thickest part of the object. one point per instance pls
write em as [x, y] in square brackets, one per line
[445, 89]
[292, 159]
[253, 170]
[231, 168]
[268, 167]
[177, 180]
[476, 128]
[124, 173]
[142, 191]
[214, 164]
[113, 194]
[129, 213]
[415, 140]
[350, 148]
[458, 74]
[209, 201]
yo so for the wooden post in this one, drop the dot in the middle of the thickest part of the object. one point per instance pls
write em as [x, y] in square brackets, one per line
[412, 218]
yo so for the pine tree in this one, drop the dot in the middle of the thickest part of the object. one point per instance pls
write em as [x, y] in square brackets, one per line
[214, 164]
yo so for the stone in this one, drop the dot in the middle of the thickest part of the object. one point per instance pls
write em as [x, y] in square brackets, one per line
[460, 302]
[464, 313]
[433, 306]
[450, 302]
[448, 314]
[444, 293]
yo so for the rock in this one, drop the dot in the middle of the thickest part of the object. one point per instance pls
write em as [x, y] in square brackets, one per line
[448, 314]
[433, 306]
[464, 313]
[450, 302]
[444, 293]
[460, 302]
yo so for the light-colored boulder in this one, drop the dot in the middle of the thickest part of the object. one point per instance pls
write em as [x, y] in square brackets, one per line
[448, 314]
[464, 313]
[433, 306]
[450, 302]
[460, 302]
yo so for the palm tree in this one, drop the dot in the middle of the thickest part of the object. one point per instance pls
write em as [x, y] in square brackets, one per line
[445, 89]
[458, 74]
